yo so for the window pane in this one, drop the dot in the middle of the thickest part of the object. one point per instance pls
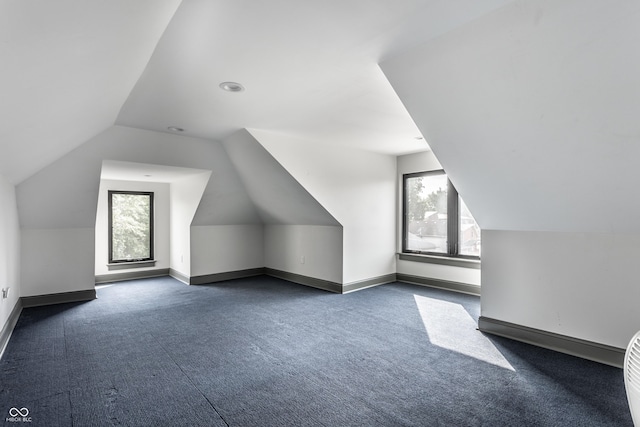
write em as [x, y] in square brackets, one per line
[427, 213]
[131, 226]
[469, 232]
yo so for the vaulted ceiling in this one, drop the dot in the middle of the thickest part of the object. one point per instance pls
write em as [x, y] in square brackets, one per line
[533, 111]
[532, 98]
[73, 68]
[67, 68]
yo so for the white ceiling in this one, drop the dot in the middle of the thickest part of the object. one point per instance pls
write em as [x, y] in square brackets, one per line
[67, 68]
[144, 172]
[71, 69]
[533, 111]
[309, 69]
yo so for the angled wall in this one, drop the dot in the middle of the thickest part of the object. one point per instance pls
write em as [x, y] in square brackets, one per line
[358, 188]
[57, 206]
[186, 195]
[9, 252]
[278, 197]
[532, 110]
[300, 236]
[71, 66]
[219, 249]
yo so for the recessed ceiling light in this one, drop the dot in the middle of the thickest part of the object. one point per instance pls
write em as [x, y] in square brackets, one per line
[419, 138]
[231, 86]
[147, 175]
[175, 129]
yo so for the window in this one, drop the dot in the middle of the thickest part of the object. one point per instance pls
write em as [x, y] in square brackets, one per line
[435, 219]
[130, 226]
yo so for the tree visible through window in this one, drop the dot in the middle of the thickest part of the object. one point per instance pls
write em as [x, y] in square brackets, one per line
[436, 220]
[130, 226]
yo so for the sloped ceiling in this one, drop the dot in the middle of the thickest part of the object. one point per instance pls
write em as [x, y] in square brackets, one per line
[67, 68]
[278, 197]
[64, 194]
[533, 110]
[73, 68]
[144, 172]
[309, 69]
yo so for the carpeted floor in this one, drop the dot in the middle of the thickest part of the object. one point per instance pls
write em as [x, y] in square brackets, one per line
[266, 352]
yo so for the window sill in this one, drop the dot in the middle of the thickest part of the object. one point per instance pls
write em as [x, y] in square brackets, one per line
[133, 264]
[450, 261]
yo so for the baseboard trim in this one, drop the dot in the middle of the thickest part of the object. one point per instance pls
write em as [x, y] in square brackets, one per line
[227, 275]
[7, 329]
[130, 275]
[60, 298]
[313, 282]
[448, 285]
[179, 276]
[368, 283]
[596, 352]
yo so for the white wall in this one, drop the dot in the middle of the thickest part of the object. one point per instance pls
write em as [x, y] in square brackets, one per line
[532, 110]
[295, 223]
[186, 194]
[421, 162]
[470, 276]
[278, 196]
[64, 194]
[583, 285]
[57, 260]
[309, 250]
[60, 201]
[57, 211]
[224, 248]
[71, 67]
[356, 187]
[9, 249]
[161, 223]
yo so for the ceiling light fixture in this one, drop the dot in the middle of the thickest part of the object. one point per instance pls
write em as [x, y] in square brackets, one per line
[175, 129]
[231, 87]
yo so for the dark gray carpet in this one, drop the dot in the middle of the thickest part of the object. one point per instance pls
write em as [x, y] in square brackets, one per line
[265, 352]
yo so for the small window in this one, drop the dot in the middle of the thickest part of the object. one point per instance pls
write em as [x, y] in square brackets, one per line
[435, 219]
[130, 226]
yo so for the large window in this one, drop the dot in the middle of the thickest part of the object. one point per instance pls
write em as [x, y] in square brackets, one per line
[435, 219]
[130, 226]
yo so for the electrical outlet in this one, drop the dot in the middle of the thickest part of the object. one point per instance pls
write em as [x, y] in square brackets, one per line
[5, 293]
[302, 259]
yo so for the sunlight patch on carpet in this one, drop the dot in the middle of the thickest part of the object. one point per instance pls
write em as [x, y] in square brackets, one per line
[451, 327]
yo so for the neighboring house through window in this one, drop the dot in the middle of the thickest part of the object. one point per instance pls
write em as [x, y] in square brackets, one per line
[130, 226]
[435, 219]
